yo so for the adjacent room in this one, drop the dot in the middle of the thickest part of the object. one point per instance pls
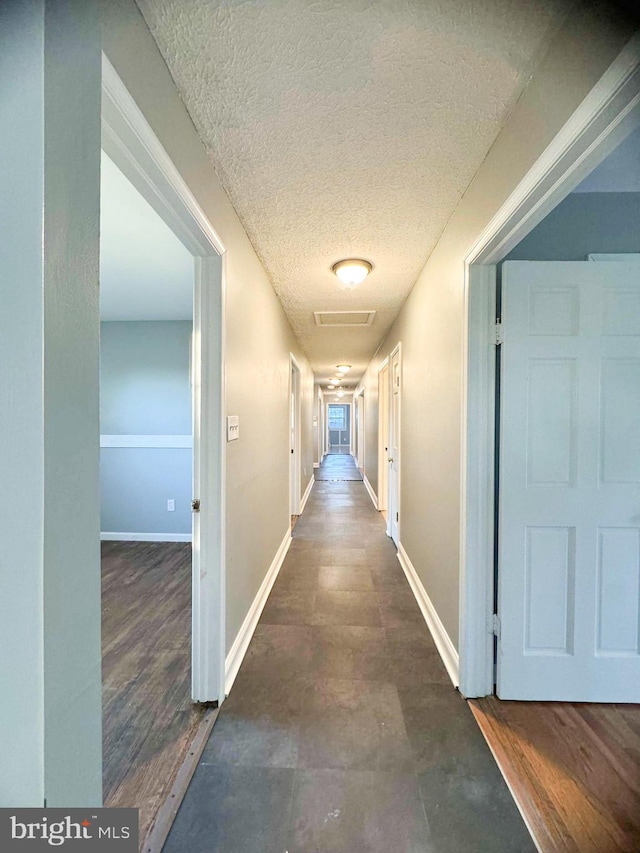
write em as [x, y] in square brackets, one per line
[146, 463]
[569, 381]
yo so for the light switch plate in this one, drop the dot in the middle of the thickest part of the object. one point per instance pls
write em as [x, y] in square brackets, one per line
[233, 427]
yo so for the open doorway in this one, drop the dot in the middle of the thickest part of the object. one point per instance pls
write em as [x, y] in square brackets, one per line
[339, 463]
[146, 465]
[383, 440]
[338, 428]
[163, 473]
[550, 528]
[603, 121]
[395, 436]
[294, 440]
[359, 431]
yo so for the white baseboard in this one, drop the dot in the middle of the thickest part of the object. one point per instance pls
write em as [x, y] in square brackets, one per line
[241, 643]
[109, 536]
[445, 647]
[369, 488]
[307, 492]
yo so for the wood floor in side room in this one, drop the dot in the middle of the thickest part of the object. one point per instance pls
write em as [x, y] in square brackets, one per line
[574, 769]
[148, 718]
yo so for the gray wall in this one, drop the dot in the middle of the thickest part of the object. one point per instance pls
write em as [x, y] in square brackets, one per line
[584, 223]
[145, 391]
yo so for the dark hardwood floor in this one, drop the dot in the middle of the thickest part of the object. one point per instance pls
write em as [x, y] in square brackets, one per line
[148, 718]
[573, 768]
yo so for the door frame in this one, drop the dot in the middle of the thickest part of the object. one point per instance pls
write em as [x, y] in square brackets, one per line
[128, 139]
[397, 349]
[295, 469]
[320, 427]
[359, 417]
[383, 428]
[608, 113]
[350, 407]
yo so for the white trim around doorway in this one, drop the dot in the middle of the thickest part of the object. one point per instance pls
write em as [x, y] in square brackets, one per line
[383, 463]
[295, 461]
[608, 113]
[128, 139]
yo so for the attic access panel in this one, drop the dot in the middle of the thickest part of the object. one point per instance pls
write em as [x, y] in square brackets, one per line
[344, 318]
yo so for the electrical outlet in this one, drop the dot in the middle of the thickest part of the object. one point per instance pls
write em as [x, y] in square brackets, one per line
[171, 505]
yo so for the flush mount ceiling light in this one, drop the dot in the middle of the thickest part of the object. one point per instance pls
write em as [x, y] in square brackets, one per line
[343, 368]
[331, 387]
[340, 394]
[352, 271]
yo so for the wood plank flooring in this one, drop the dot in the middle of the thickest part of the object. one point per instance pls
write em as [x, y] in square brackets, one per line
[573, 768]
[149, 720]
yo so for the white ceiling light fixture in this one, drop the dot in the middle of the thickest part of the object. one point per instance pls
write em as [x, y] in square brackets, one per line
[343, 368]
[352, 271]
[340, 393]
[331, 387]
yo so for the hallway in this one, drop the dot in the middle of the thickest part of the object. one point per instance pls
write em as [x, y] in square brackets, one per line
[342, 731]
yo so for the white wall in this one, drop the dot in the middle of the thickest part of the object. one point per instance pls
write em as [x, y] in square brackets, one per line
[431, 321]
[50, 700]
[258, 335]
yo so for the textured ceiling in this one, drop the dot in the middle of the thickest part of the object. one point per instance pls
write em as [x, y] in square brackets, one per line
[344, 128]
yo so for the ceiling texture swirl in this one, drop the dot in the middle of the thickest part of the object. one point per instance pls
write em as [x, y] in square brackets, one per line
[348, 129]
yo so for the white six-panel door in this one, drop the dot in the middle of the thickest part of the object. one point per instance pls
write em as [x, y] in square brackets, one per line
[569, 522]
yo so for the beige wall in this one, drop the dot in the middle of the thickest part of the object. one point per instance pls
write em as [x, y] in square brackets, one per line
[430, 323]
[258, 335]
